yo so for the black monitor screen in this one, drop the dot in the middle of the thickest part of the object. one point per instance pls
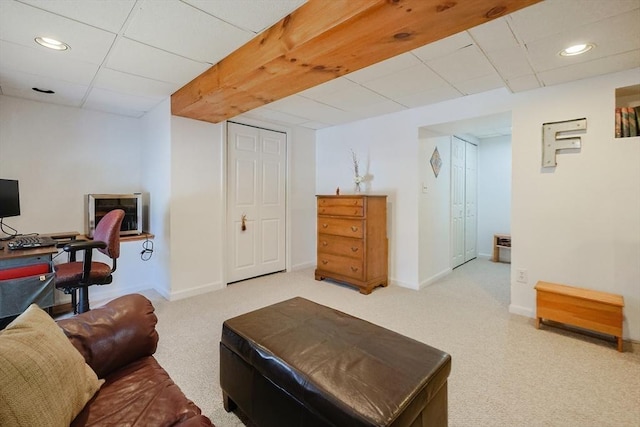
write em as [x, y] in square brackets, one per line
[9, 198]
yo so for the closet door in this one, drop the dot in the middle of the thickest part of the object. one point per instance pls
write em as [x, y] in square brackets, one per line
[471, 202]
[457, 201]
[256, 202]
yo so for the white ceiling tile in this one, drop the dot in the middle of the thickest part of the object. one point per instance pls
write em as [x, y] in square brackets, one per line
[443, 47]
[332, 86]
[494, 35]
[136, 58]
[351, 98]
[553, 17]
[109, 15]
[462, 65]
[510, 62]
[252, 15]
[21, 24]
[431, 96]
[295, 104]
[480, 84]
[406, 82]
[610, 64]
[315, 125]
[20, 84]
[118, 81]
[106, 100]
[44, 63]
[194, 35]
[267, 114]
[379, 108]
[384, 68]
[522, 83]
[613, 35]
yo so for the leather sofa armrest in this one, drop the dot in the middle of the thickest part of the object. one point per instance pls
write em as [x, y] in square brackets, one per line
[114, 335]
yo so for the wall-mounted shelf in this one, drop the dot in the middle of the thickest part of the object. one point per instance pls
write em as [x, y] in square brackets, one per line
[500, 241]
[627, 112]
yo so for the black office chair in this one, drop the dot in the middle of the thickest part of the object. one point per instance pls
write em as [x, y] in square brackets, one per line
[78, 276]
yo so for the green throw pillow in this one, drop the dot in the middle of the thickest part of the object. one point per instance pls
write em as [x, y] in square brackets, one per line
[44, 380]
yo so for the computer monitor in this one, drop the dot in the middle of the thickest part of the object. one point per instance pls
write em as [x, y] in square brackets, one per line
[9, 198]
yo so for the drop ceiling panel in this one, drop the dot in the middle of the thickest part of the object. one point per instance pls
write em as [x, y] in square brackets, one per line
[349, 98]
[553, 17]
[118, 81]
[405, 82]
[252, 15]
[462, 65]
[480, 84]
[385, 68]
[321, 112]
[107, 15]
[612, 36]
[511, 62]
[51, 64]
[194, 35]
[443, 47]
[21, 24]
[278, 116]
[19, 84]
[106, 100]
[610, 64]
[522, 83]
[494, 35]
[136, 58]
[438, 94]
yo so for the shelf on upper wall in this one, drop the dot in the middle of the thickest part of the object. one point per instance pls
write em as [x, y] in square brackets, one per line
[627, 112]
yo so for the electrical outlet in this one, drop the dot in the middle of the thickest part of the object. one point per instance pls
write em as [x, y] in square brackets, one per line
[521, 276]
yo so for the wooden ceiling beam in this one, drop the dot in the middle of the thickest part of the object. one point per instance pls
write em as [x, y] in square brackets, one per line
[322, 40]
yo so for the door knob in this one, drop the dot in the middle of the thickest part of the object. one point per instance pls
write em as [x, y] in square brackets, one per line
[243, 218]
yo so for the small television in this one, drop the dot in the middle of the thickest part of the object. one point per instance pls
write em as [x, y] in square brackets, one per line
[9, 198]
[134, 205]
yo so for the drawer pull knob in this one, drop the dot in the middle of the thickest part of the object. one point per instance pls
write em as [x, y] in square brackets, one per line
[354, 228]
[324, 243]
[354, 249]
[325, 225]
[325, 262]
[355, 212]
[354, 269]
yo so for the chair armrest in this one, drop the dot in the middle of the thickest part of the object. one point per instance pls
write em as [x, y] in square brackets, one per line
[114, 335]
[80, 245]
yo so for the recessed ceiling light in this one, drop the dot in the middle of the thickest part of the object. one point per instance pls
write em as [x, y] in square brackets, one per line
[51, 43]
[577, 49]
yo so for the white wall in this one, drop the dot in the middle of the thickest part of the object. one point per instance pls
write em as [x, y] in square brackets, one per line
[578, 223]
[156, 180]
[60, 154]
[434, 211]
[494, 193]
[197, 206]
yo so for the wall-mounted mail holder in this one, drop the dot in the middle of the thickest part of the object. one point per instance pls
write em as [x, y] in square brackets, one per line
[560, 136]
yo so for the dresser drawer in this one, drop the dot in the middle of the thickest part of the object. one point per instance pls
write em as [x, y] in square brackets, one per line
[349, 267]
[343, 206]
[339, 245]
[341, 227]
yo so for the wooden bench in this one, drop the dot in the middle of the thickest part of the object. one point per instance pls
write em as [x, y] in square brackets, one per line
[584, 308]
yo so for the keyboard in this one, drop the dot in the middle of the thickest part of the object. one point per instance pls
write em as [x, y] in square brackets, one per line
[27, 242]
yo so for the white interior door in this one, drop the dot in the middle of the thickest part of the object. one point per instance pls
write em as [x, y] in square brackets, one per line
[256, 202]
[457, 201]
[471, 202]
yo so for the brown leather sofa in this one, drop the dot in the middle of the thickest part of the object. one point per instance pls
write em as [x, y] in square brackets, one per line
[118, 341]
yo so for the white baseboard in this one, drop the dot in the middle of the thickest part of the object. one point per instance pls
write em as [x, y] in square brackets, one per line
[522, 311]
[199, 290]
[431, 280]
[303, 266]
[396, 282]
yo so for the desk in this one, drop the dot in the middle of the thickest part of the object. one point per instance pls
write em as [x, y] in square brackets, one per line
[17, 293]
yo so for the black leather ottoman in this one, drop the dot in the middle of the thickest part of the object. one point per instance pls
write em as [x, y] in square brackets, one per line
[298, 363]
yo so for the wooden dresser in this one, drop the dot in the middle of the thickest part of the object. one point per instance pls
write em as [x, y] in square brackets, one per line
[352, 240]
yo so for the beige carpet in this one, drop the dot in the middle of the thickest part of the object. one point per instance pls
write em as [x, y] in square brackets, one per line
[504, 371]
